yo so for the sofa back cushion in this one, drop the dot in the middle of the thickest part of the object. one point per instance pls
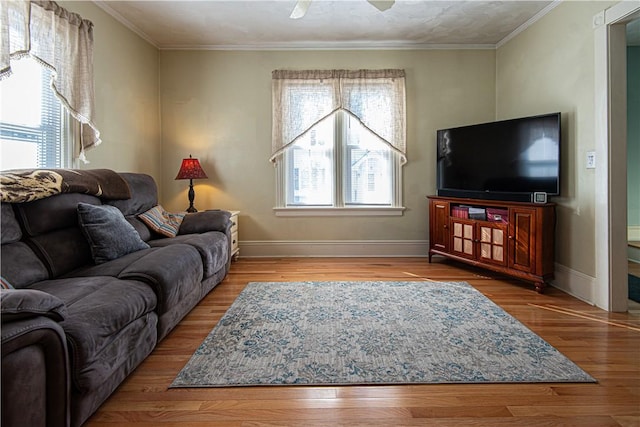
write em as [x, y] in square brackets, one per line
[9, 226]
[144, 195]
[52, 213]
[51, 229]
[20, 266]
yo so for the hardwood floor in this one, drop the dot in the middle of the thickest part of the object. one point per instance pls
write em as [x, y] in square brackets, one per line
[606, 345]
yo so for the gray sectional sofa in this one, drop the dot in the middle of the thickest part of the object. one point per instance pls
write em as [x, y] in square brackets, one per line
[73, 329]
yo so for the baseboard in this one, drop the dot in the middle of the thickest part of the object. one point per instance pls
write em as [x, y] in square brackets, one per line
[633, 233]
[334, 248]
[574, 283]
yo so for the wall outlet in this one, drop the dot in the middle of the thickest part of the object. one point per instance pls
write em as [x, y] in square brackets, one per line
[591, 159]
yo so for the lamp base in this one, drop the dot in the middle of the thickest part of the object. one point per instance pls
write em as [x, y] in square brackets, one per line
[192, 195]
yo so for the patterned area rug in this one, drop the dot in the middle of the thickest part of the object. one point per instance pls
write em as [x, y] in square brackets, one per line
[339, 333]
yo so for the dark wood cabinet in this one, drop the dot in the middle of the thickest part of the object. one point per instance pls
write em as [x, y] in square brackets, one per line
[513, 238]
[439, 225]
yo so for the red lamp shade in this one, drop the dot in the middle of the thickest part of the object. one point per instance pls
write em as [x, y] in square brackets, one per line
[191, 169]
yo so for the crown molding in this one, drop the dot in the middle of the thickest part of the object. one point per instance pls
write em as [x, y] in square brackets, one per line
[529, 23]
[320, 46]
[104, 5]
[333, 46]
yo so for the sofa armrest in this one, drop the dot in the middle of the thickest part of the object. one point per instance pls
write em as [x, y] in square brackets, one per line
[35, 373]
[18, 304]
[201, 222]
[171, 272]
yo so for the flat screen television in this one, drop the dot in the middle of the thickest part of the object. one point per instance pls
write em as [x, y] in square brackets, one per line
[503, 160]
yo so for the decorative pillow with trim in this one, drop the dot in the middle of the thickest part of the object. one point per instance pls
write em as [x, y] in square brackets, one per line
[161, 221]
[4, 284]
[109, 234]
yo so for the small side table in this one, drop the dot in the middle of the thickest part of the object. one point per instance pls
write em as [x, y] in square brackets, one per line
[235, 248]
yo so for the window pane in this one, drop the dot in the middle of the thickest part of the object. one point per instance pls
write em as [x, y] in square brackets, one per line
[368, 171]
[30, 119]
[310, 167]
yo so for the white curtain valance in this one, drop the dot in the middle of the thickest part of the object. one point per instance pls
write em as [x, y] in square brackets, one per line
[60, 40]
[301, 99]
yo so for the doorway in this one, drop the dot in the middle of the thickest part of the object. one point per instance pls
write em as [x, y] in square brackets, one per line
[633, 160]
[611, 287]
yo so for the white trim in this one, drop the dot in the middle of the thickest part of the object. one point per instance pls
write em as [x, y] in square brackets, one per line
[334, 248]
[331, 211]
[610, 290]
[368, 45]
[574, 283]
[535, 18]
[103, 4]
[567, 280]
[339, 155]
[633, 233]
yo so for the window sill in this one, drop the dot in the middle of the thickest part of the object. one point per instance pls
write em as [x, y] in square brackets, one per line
[331, 211]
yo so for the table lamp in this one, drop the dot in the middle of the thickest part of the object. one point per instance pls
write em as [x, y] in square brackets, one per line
[191, 169]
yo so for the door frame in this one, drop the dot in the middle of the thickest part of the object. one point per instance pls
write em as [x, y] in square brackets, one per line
[611, 283]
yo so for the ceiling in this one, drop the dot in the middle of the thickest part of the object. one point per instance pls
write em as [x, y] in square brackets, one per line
[265, 24]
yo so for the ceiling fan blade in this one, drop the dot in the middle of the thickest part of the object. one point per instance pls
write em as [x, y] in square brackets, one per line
[300, 9]
[382, 5]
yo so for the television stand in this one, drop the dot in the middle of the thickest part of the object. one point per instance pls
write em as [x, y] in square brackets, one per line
[512, 238]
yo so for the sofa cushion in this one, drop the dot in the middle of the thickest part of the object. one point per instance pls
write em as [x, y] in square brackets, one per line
[9, 226]
[144, 194]
[109, 234]
[52, 233]
[20, 265]
[145, 233]
[111, 268]
[172, 272]
[53, 213]
[99, 309]
[213, 248]
[161, 221]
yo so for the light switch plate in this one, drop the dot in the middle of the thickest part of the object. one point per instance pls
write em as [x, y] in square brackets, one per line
[591, 159]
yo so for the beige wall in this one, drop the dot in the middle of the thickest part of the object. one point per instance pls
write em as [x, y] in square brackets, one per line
[126, 90]
[216, 105]
[550, 67]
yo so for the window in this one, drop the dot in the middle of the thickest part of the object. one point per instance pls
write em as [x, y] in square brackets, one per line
[34, 128]
[62, 43]
[336, 144]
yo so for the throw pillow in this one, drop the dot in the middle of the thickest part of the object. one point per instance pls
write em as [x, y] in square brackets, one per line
[109, 234]
[161, 221]
[4, 283]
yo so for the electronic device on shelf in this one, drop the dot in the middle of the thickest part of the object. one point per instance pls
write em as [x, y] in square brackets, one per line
[504, 160]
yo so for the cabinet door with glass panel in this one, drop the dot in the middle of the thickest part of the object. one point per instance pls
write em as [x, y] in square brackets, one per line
[492, 241]
[479, 240]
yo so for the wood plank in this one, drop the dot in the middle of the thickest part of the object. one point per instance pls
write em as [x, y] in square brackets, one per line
[604, 344]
